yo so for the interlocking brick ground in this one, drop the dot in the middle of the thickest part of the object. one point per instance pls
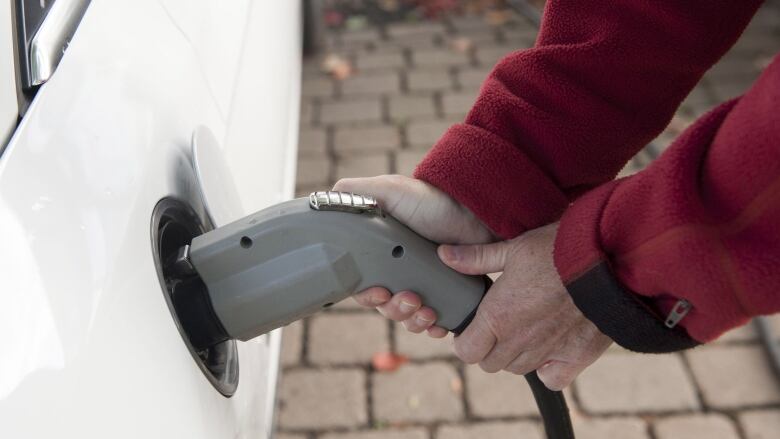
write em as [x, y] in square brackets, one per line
[410, 85]
[418, 393]
[710, 426]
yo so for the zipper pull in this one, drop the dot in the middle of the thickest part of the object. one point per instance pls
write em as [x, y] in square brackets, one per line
[680, 310]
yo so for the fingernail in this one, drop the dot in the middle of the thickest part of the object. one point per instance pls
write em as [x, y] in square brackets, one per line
[450, 252]
[424, 320]
[407, 307]
[376, 300]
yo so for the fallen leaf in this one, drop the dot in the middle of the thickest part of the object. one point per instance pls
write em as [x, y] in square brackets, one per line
[334, 18]
[387, 361]
[461, 44]
[499, 17]
[456, 384]
[337, 66]
[437, 8]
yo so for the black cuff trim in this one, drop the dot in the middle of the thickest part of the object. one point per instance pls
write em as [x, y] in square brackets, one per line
[620, 315]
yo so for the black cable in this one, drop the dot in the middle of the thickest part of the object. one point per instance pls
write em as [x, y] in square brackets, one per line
[552, 406]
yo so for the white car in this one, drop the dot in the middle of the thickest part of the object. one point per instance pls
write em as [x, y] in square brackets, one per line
[97, 185]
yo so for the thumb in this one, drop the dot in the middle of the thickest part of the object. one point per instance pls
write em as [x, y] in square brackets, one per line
[475, 259]
[399, 196]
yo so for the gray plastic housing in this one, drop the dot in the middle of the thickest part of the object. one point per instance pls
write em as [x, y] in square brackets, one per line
[288, 261]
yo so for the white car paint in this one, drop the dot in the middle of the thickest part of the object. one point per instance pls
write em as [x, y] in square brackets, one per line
[88, 346]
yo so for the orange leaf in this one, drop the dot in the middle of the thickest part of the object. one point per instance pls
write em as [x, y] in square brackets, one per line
[387, 361]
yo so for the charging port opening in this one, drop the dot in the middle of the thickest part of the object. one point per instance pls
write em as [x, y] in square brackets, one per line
[174, 225]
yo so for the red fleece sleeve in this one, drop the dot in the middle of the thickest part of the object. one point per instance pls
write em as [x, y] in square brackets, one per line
[702, 223]
[556, 120]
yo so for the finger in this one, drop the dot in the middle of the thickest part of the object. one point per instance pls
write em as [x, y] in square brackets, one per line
[557, 375]
[401, 306]
[502, 355]
[420, 320]
[372, 297]
[475, 259]
[474, 343]
[497, 359]
[526, 362]
[437, 332]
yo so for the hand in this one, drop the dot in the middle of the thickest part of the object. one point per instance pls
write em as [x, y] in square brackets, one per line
[432, 214]
[527, 321]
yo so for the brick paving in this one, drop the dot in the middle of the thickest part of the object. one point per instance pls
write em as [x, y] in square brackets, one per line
[409, 86]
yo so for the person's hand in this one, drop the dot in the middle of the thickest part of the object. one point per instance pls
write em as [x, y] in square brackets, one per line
[432, 214]
[527, 321]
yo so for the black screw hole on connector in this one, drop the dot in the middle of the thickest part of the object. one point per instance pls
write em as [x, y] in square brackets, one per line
[398, 251]
[246, 242]
[328, 305]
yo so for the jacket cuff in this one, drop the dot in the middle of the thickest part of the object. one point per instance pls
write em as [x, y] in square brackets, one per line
[623, 316]
[504, 188]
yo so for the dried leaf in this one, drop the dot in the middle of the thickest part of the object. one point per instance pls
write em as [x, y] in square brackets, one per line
[387, 361]
[437, 8]
[334, 18]
[461, 44]
[337, 67]
[456, 384]
[498, 17]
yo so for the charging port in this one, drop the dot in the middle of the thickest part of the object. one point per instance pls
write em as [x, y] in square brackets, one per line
[174, 225]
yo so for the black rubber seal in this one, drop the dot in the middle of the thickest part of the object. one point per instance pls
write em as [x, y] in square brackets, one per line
[196, 314]
[552, 405]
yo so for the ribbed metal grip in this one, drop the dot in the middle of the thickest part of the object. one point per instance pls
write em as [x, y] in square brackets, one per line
[343, 202]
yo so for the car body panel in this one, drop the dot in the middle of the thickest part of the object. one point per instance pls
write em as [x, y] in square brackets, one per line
[89, 345]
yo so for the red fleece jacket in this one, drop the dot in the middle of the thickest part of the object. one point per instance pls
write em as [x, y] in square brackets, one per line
[554, 124]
